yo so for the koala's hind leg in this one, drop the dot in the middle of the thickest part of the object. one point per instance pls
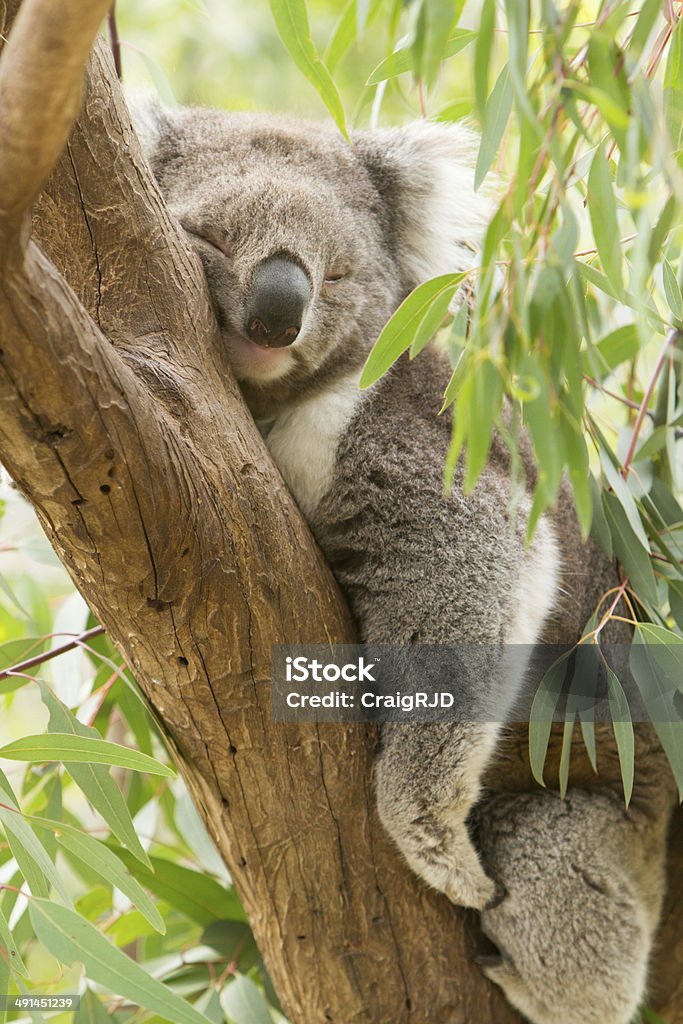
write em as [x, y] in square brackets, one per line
[584, 881]
[427, 779]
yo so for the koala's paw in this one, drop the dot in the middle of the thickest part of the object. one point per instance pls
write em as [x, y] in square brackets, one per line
[504, 974]
[452, 866]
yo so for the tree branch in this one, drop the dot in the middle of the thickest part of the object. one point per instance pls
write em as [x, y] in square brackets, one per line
[41, 75]
[126, 431]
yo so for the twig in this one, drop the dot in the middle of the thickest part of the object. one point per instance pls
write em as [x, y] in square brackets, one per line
[40, 97]
[611, 394]
[115, 41]
[672, 335]
[39, 659]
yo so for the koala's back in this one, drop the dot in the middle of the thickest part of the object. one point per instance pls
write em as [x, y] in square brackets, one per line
[420, 565]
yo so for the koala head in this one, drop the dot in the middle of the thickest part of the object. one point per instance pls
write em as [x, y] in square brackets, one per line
[309, 243]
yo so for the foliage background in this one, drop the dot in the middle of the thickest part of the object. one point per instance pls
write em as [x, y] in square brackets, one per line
[575, 318]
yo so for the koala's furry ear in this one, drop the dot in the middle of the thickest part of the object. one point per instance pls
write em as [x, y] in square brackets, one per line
[149, 119]
[424, 174]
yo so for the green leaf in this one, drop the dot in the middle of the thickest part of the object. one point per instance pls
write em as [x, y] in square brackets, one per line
[673, 86]
[209, 1003]
[404, 60]
[442, 17]
[70, 938]
[619, 345]
[15, 651]
[658, 692]
[67, 747]
[234, 941]
[579, 474]
[31, 858]
[644, 24]
[11, 596]
[496, 116]
[623, 732]
[487, 398]
[291, 19]
[431, 322]
[665, 649]
[10, 948]
[661, 230]
[400, 331]
[345, 33]
[672, 290]
[92, 1010]
[599, 529]
[603, 213]
[626, 499]
[652, 444]
[244, 1003]
[104, 861]
[4, 985]
[542, 713]
[482, 54]
[196, 895]
[565, 756]
[629, 550]
[94, 780]
[518, 47]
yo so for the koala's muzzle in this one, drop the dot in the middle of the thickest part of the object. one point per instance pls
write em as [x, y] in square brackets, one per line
[279, 293]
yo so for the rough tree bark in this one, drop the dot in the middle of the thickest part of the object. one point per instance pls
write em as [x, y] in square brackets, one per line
[120, 421]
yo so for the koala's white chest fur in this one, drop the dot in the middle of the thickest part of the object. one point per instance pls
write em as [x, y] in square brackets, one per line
[303, 440]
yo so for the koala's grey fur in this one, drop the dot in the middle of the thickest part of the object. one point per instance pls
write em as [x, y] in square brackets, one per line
[574, 887]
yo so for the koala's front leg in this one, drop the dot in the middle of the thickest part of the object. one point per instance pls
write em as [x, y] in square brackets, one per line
[427, 779]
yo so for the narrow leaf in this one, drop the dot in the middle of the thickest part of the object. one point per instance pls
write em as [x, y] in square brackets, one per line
[104, 861]
[243, 1002]
[94, 780]
[291, 19]
[673, 86]
[400, 331]
[623, 732]
[404, 60]
[629, 551]
[496, 117]
[196, 895]
[70, 938]
[603, 213]
[66, 747]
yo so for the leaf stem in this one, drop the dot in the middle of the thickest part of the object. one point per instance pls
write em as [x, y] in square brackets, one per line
[673, 334]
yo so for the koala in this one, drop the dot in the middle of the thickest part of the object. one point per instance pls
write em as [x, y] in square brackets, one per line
[309, 243]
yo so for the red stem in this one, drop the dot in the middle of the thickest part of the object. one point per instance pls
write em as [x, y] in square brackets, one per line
[39, 659]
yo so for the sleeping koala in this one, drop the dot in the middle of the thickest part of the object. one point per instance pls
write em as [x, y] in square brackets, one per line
[309, 244]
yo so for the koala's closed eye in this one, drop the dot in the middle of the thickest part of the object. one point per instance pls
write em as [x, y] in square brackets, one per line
[335, 277]
[211, 241]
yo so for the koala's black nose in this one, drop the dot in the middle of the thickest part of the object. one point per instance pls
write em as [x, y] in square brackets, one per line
[279, 294]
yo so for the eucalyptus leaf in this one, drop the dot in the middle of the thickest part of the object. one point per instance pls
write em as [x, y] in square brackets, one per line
[291, 18]
[399, 333]
[70, 938]
[94, 779]
[404, 60]
[67, 747]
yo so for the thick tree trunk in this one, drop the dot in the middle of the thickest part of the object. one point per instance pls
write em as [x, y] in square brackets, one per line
[120, 421]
